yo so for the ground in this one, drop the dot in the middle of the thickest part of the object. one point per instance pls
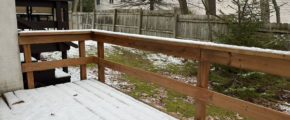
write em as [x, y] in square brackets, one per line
[166, 100]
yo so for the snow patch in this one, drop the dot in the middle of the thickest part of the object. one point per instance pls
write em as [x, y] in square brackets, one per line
[285, 107]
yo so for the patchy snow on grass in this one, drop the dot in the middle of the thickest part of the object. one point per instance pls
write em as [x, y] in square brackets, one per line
[285, 107]
[160, 60]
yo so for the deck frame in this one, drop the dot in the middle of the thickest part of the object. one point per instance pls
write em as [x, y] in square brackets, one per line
[269, 62]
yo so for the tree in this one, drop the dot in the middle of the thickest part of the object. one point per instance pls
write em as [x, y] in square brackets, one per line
[277, 10]
[153, 4]
[183, 6]
[76, 3]
[265, 11]
[83, 5]
[210, 8]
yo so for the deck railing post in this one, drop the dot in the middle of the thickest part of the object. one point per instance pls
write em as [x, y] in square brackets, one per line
[101, 69]
[202, 81]
[82, 53]
[29, 75]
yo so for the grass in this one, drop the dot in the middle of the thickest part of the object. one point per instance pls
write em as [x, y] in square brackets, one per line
[174, 102]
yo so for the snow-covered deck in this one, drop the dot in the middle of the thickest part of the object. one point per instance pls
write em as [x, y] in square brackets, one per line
[82, 100]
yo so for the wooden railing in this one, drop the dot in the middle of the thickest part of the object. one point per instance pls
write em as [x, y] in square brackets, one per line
[268, 61]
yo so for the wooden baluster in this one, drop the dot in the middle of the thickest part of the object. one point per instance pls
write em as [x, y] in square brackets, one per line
[101, 69]
[82, 53]
[202, 81]
[29, 75]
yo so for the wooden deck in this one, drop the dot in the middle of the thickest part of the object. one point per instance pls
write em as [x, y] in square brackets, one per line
[82, 100]
[262, 60]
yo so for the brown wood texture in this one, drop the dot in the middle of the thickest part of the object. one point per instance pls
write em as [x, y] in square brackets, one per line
[170, 48]
[101, 69]
[273, 63]
[202, 81]
[268, 62]
[125, 40]
[27, 34]
[251, 110]
[251, 62]
[82, 53]
[37, 66]
[29, 75]
[41, 39]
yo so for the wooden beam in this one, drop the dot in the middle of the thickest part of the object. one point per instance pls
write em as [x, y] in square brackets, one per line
[41, 39]
[181, 87]
[251, 110]
[257, 112]
[101, 69]
[29, 75]
[251, 62]
[170, 48]
[38, 66]
[82, 53]
[202, 81]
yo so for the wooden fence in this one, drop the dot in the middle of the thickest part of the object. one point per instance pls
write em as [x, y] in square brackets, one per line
[162, 23]
[269, 61]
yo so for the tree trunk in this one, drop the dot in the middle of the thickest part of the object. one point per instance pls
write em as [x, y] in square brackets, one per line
[265, 11]
[210, 7]
[81, 5]
[277, 10]
[76, 3]
[152, 4]
[183, 6]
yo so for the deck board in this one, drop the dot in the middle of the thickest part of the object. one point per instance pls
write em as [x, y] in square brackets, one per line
[82, 100]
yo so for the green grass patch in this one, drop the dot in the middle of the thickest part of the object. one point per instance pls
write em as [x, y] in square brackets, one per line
[174, 102]
[126, 57]
[141, 87]
[230, 81]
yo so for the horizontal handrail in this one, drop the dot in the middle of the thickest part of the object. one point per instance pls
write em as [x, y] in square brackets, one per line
[269, 61]
[38, 66]
[262, 60]
[220, 100]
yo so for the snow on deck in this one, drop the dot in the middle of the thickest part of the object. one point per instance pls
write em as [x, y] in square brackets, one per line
[82, 100]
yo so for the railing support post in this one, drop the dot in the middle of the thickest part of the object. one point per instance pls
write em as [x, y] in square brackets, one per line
[202, 81]
[29, 75]
[101, 69]
[82, 53]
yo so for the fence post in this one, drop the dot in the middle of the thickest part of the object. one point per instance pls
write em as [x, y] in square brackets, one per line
[101, 69]
[29, 75]
[94, 19]
[140, 21]
[82, 53]
[114, 19]
[78, 26]
[175, 20]
[202, 81]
